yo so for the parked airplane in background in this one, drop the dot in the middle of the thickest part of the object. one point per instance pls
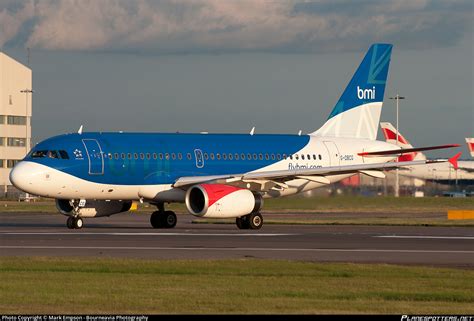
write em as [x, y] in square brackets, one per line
[470, 146]
[215, 175]
[440, 172]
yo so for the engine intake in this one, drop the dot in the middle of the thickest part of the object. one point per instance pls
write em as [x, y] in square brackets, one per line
[221, 201]
[94, 208]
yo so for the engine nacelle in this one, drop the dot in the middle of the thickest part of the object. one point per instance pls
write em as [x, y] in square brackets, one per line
[221, 201]
[94, 208]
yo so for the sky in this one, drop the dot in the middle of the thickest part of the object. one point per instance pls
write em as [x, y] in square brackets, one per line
[226, 66]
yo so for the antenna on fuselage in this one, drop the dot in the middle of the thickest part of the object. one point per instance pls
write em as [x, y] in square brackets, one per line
[252, 131]
[299, 133]
[80, 130]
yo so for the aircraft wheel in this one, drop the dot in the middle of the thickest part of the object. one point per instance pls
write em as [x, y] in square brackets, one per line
[169, 219]
[255, 221]
[70, 222]
[78, 223]
[155, 220]
[242, 222]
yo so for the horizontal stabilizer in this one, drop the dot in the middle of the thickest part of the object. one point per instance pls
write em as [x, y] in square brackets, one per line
[454, 160]
[405, 150]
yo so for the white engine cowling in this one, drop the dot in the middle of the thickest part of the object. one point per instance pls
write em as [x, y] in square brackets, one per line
[94, 208]
[221, 201]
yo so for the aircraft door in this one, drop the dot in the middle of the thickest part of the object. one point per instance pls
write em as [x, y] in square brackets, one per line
[199, 158]
[95, 156]
[333, 153]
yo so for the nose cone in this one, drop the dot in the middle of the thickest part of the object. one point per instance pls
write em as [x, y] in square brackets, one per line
[24, 176]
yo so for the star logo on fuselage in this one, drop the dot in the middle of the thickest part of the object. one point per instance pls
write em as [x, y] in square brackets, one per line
[78, 154]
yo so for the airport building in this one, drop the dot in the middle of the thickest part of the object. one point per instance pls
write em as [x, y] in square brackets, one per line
[15, 115]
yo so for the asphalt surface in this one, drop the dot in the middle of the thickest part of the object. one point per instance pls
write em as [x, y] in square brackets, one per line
[130, 236]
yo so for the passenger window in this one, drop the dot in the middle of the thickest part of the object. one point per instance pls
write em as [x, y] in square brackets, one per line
[122, 155]
[116, 155]
[160, 155]
[284, 156]
[218, 156]
[249, 157]
[320, 158]
[255, 156]
[167, 156]
[267, 157]
[231, 157]
[278, 156]
[129, 155]
[273, 156]
[291, 157]
[242, 156]
[260, 156]
[296, 156]
[212, 156]
[206, 156]
[314, 156]
[148, 156]
[236, 156]
[173, 156]
[135, 155]
[180, 156]
[309, 157]
[302, 156]
[142, 156]
[224, 156]
[188, 156]
[155, 156]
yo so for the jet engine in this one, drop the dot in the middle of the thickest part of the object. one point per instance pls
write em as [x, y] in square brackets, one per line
[221, 201]
[94, 208]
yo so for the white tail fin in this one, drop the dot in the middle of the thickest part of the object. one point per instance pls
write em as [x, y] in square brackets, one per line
[357, 113]
[390, 134]
[470, 146]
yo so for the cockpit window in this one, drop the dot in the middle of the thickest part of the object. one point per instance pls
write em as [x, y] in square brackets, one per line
[53, 154]
[39, 154]
[64, 154]
[50, 153]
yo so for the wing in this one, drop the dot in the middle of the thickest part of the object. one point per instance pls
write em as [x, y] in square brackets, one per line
[271, 179]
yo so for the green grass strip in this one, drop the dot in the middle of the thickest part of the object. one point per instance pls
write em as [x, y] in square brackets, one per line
[131, 286]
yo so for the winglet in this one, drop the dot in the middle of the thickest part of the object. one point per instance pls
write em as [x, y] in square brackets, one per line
[454, 160]
[80, 130]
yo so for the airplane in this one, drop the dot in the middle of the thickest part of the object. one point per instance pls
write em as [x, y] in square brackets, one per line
[439, 172]
[92, 174]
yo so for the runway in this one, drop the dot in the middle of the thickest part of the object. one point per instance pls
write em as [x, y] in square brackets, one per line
[130, 236]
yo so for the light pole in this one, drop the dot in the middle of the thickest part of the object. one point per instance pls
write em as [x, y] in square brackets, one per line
[397, 186]
[27, 141]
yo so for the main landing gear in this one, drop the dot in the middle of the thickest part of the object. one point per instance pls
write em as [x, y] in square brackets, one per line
[253, 221]
[74, 222]
[162, 218]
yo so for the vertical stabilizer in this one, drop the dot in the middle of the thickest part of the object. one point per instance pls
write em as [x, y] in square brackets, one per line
[357, 113]
[390, 134]
[470, 146]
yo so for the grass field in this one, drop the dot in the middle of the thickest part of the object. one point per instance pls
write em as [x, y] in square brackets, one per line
[314, 204]
[122, 286]
[347, 210]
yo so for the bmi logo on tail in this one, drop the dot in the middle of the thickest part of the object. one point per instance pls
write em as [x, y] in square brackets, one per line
[366, 93]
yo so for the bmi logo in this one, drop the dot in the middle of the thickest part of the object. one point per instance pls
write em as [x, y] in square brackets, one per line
[366, 93]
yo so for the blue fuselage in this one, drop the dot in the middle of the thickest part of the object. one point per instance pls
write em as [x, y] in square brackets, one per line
[148, 158]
